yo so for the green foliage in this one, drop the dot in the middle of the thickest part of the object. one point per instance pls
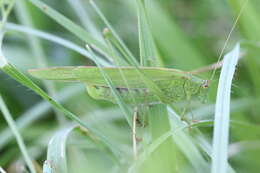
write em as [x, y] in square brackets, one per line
[76, 133]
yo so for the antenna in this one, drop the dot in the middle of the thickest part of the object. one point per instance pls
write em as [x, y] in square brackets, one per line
[228, 37]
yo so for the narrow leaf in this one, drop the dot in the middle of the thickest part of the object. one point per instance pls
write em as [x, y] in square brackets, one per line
[148, 53]
[8, 117]
[53, 38]
[222, 113]
[115, 93]
[69, 25]
[56, 156]
[20, 77]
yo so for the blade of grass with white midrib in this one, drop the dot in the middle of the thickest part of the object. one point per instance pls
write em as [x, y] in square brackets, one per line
[222, 113]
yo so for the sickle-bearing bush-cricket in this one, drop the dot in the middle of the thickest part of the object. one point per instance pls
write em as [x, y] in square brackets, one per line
[175, 84]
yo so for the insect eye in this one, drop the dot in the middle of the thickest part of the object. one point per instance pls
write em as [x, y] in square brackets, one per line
[205, 84]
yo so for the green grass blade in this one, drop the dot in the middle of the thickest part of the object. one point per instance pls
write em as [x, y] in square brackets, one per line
[18, 76]
[69, 25]
[37, 50]
[118, 40]
[249, 28]
[19, 139]
[207, 111]
[151, 85]
[186, 144]
[85, 18]
[183, 141]
[163, 154]
[207, 148]
[151, 148]
[115, 93]
[222, 111]
[148, 52]
[116, 50]
[35, 113]
[24, 18]
[6, 8]
[172, 40]
[120, 62]
[53, 38]
[57, 150]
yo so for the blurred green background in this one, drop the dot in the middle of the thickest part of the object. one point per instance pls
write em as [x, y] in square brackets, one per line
[188, 35]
